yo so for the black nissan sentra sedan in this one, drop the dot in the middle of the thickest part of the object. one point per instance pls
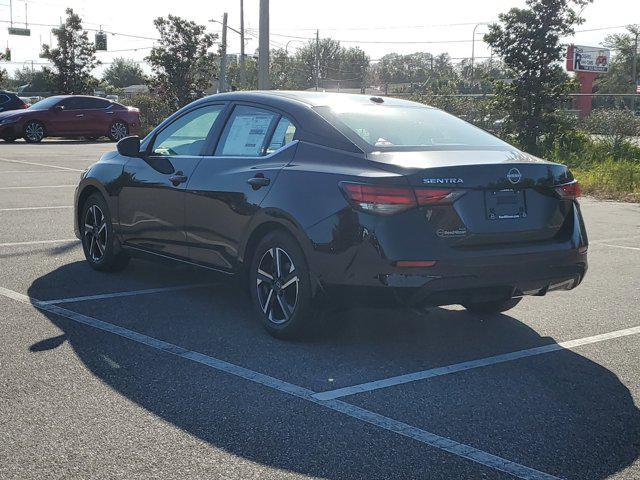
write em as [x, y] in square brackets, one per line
[310, 196]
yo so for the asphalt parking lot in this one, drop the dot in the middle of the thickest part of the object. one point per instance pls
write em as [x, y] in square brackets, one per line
[159, 372]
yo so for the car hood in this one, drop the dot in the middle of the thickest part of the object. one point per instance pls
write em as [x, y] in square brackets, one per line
[11, 113]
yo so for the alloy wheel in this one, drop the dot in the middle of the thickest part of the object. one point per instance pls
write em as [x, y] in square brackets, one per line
[278, 285]
[95, 233]
[118, 131]
[34, 132]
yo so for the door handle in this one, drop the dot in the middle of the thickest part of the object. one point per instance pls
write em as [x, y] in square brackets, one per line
[177, 178]
[80, 115]
[258, 181]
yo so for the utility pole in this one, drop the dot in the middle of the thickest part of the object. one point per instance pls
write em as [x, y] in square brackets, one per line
[634, 71]
[11, 13]
[263, 48]
[317, 69]
[223, 56]
[243, 71]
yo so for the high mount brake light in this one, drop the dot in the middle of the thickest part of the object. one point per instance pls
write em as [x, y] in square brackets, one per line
[384, 200]
[570, 191]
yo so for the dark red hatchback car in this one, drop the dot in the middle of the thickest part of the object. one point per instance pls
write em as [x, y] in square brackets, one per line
[70, 116]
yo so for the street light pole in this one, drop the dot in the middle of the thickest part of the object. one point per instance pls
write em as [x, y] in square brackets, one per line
[263, 47]
[243, 71]
[473, 46]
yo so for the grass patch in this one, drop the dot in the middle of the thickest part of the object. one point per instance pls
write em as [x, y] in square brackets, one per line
[615, 180]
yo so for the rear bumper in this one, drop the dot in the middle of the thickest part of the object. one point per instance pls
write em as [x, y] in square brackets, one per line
[473, 279]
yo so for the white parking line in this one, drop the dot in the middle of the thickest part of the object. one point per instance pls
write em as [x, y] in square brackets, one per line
[607, 240]
[41, 165]
[39, 242]
[386, 423]
[130, 293]
[619, 246]
[22, 187]
[461, 367]
[29, 171]
[20, 209]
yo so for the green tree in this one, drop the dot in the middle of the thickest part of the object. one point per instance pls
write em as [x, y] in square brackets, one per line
[28, 80]
[618, 78]
[335, 64]
[4, 78]
[123, 73]
[286, 72]
[528, 41]
[181, 60]
[73, 59]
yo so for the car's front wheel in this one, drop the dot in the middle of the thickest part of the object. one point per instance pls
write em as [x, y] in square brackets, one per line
[34, 132]
[493, 307]
[280, 286]
[118, 131]
[98, 242]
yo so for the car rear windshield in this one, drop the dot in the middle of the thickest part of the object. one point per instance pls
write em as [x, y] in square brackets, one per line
[393, 127]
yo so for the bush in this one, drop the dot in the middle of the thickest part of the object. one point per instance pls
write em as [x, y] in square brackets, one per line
[614, 127]
[153, 110]
[617, 179]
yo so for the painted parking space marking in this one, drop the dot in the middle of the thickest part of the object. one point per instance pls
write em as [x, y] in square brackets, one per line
[29, 171]
[470, 365]
[30, 187]
[21, 209]
[131, 293]
[367, 416]
[39, 242]
[41, 165]
[619, 246]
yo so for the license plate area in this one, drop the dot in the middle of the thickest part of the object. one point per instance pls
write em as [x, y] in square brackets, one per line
[505, 204]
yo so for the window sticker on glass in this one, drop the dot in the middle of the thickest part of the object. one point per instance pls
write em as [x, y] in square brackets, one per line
[247, 134]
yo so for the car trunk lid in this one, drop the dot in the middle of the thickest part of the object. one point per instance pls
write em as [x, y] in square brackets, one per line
[501, 196]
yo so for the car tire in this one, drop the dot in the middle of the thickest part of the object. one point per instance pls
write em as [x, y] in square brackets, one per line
[282, 295]
[34, 132]
[494, 307]
[118, 130]
[101, 249]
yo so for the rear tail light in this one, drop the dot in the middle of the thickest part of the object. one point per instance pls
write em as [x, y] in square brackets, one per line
[432, 196]
[384, 200]
[24, 106]
[415, 264]
[570, 191]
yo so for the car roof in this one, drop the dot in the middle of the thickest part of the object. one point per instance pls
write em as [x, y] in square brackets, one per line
[310, 98]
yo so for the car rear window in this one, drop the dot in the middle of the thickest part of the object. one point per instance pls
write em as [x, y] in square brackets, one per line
[389, 127]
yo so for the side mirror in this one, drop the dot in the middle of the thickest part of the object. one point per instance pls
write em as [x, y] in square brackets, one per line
[58, 108]
[129, 146]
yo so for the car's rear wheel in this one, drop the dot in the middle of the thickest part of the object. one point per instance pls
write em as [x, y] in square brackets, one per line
[493, 307]
[281, 288]
[98, 242]
[34, 132]
[118, 131]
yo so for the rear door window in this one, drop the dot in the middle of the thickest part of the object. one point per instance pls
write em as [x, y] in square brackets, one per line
[73, 103]
[96, 103]
[4, 99]
[245, 134]
[282, 135]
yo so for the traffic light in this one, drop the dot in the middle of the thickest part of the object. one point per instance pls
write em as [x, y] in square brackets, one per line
[7, 55]
[101, 41]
